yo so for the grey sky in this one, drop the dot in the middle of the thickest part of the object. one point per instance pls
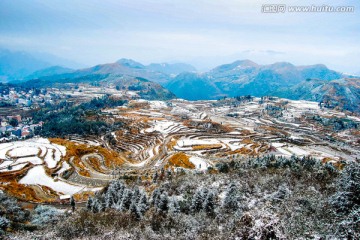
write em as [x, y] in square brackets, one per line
[204, 33]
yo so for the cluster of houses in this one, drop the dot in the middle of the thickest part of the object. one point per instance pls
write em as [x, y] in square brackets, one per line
[28, 98]
[19, 129]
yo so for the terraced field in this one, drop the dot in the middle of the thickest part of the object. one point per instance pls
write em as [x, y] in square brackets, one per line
[176, 134]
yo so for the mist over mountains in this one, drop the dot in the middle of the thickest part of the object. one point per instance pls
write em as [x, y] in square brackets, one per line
[242, 77]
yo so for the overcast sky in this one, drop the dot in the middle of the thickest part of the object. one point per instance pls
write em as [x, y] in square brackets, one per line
[201, 32]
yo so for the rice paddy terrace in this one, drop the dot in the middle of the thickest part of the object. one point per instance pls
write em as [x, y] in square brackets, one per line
[172, 135]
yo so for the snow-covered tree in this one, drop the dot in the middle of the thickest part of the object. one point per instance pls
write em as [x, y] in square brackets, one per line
[231, 201]
[89, 204]
[126, 200]
[155, 196]
[136, 195]
[143, 204]
[97, 206]
[347, 197]
[163, 202]
[197, 201]
[109, 198]
[4, 223]
[134, 210]
[174, 206]
[209, 203]
[204, 192]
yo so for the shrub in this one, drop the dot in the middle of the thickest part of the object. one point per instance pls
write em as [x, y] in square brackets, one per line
[45, 215]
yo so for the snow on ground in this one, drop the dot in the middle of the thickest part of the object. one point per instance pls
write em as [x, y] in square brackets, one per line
[233, 144]
[49, 159]
[284, 151]
[33, 160]
[40, 140]
[23, 151]
[157, 104]
[14, 168]
[192, 142]
[4, 148]
[43, 151]
[180, 111]
[277, 144]
[131, 93]
[52, 153]
[140, 164]
[199, 163]
[114, 135]
[298, 151]
[163, 126]
[62, 149]
[64, 166]
[304, 105]
[38, 176]
[5, 164]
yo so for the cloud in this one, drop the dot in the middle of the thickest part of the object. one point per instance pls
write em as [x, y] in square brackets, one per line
[95, 31]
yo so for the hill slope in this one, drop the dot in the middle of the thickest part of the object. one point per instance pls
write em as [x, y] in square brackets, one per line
[17, 65]
[247, 78]
[342, 93]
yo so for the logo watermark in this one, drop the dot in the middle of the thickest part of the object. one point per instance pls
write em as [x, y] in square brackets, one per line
[283, 8]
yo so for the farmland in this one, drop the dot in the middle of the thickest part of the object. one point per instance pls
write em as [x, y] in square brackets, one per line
[177, 134]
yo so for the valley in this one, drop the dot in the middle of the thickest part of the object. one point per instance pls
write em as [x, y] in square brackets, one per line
[175, 135]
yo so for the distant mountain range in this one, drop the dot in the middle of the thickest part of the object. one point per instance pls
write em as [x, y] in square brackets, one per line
[248, 78]
[18, 65]
[314, 83]
[244, 77]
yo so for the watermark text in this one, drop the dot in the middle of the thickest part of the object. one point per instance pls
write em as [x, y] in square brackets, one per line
[283, 8]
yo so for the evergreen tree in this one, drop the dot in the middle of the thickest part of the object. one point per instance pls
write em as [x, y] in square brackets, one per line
[231, 200]
[126, 200]
[136, 195]
[204, 192]
[174, 206]
[109, 198]
[163, 203]
[97, 206]
[89, 204]
[143, 204]
[209, 203]
[155, 196]
[134, 210]
[197, 201]
[118, 191]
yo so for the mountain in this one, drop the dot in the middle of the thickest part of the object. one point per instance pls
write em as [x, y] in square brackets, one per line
[130, 63]
[342, 93]
[54, 70]
[171, 69]
[193, 86]
[123, 67]
[17, 65]
[125, 74]
[245, 77]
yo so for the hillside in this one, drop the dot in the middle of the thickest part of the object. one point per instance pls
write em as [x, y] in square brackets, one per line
[192, 86]
[144, 88]
[17, 65]
[54, 70]
[243, 77]
[248, 78]
[342, 93]
[171, 69]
